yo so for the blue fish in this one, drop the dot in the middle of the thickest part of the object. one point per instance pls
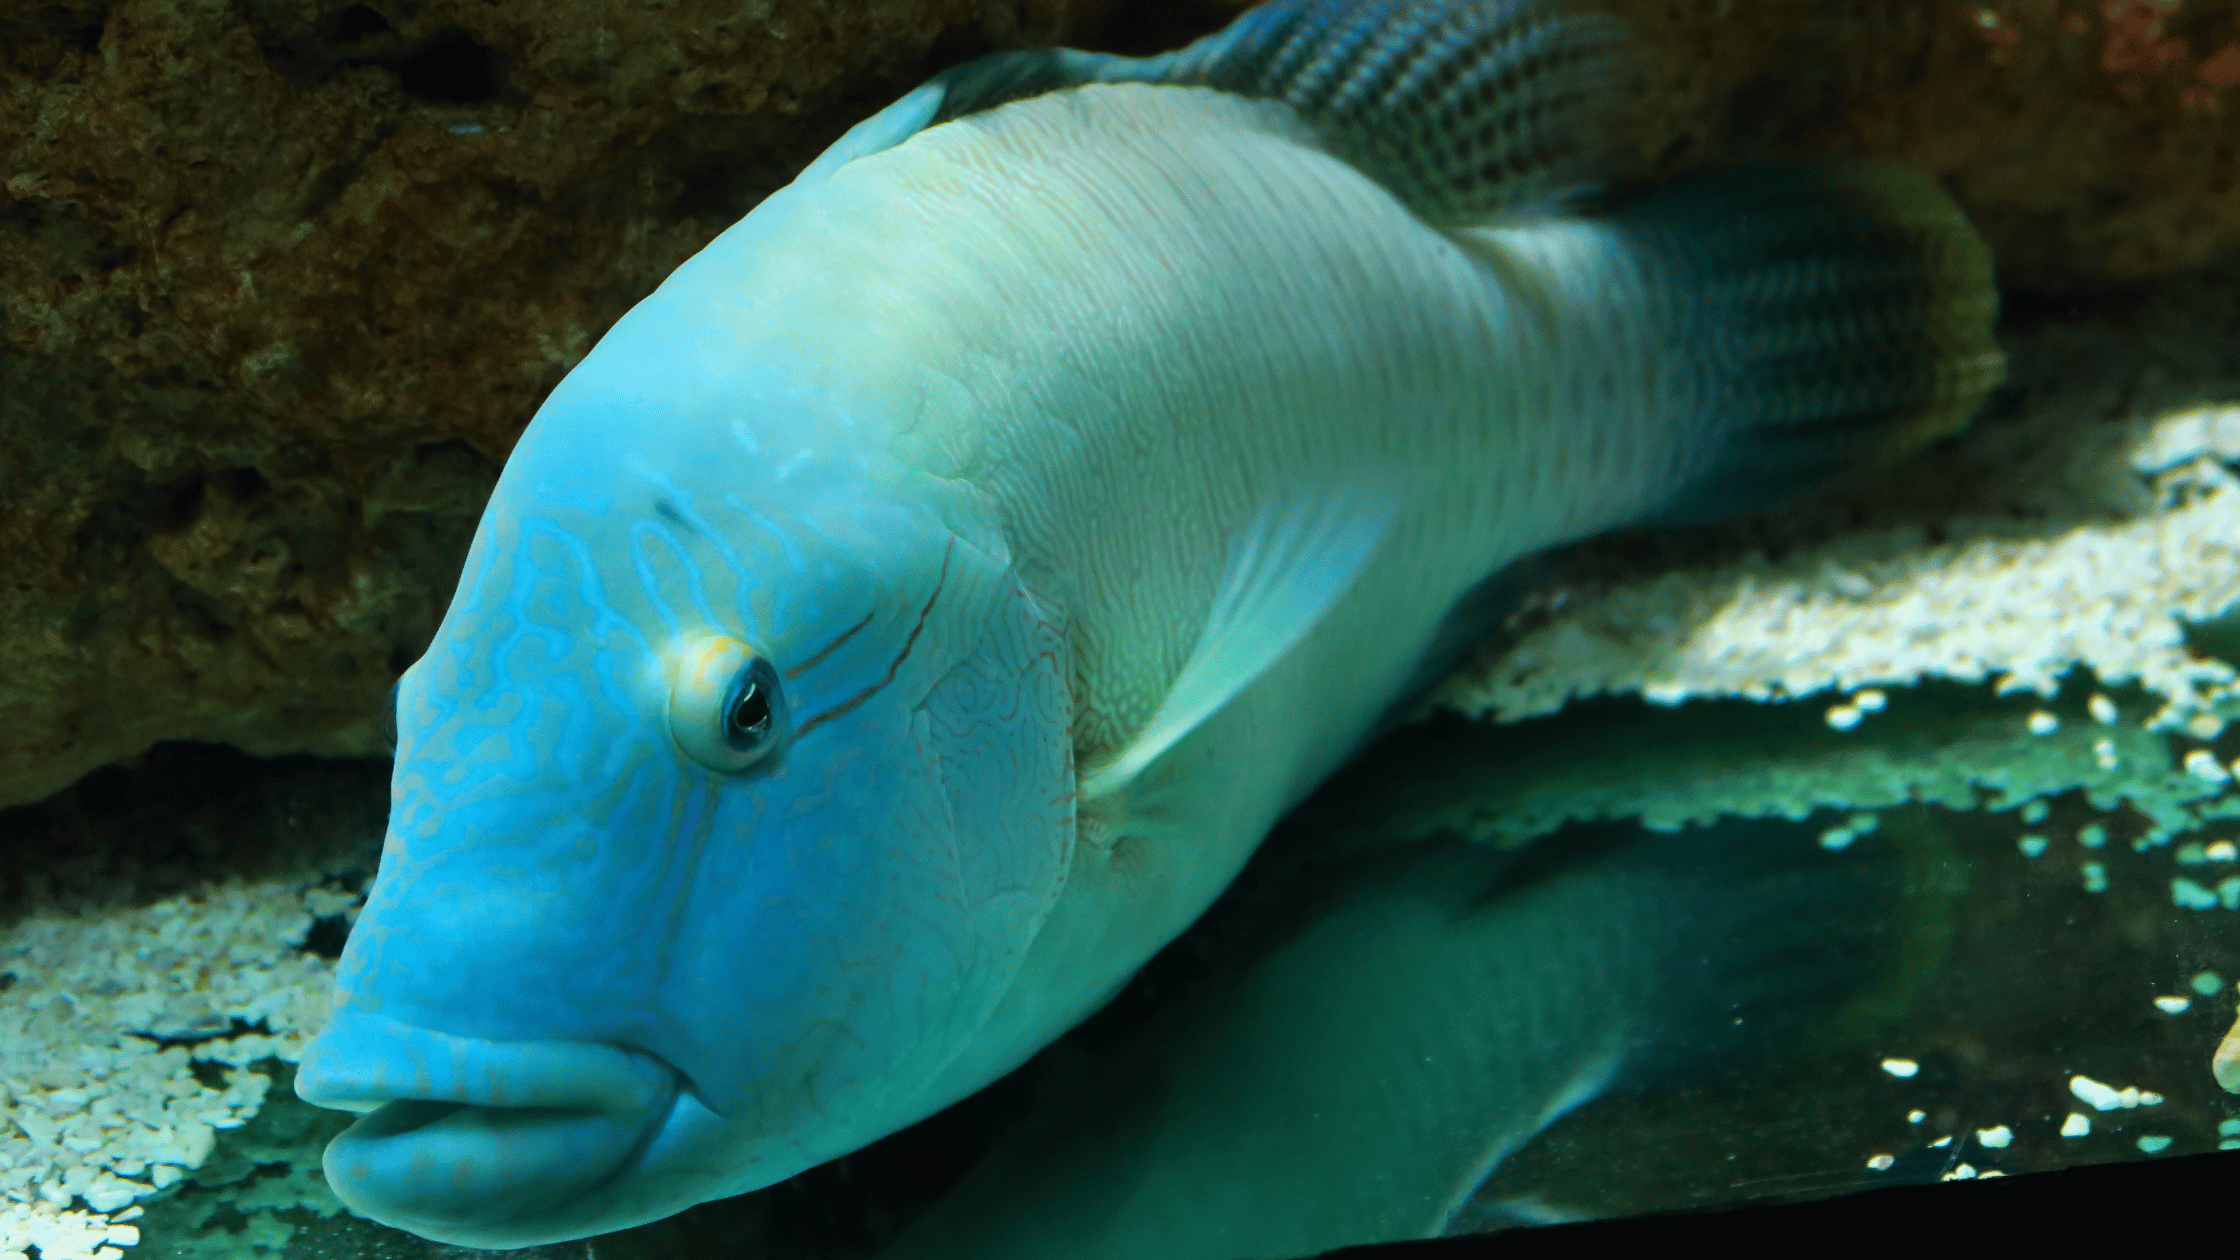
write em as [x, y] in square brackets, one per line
[912, 615]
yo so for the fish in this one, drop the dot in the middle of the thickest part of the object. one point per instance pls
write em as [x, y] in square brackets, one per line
[1369, 1043]
[912, 614]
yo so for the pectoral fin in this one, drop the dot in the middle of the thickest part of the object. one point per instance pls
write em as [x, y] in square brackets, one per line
[1286, 569]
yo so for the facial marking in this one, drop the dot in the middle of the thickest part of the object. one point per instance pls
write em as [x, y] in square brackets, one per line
[829, 648]
[848, 705]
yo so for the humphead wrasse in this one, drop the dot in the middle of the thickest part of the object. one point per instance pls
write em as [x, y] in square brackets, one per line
[911, 615]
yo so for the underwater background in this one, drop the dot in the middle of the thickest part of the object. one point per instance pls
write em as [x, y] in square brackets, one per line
[284, 281]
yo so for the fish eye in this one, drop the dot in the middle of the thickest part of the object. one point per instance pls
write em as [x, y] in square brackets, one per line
[726, 710]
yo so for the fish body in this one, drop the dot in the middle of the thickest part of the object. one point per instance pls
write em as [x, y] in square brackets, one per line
[914, 613]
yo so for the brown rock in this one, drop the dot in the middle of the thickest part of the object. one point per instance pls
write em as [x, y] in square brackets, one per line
[2093, 141]
[285, 280]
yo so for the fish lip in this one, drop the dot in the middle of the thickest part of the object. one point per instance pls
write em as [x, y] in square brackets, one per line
[361, 1062]
[479, 1142]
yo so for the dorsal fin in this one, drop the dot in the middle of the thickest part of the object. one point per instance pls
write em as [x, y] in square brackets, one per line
[917, 110]
[1463, 109]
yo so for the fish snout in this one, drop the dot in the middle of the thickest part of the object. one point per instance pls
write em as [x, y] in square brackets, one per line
[480, 1143]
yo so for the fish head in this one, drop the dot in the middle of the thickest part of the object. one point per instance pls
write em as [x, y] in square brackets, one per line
[731, 790]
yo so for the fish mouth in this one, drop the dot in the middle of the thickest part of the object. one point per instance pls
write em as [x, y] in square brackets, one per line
[482, 1143]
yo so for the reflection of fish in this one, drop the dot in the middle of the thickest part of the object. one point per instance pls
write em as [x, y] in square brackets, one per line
[1417, 1022]
[913, 614]
[2225, 1063]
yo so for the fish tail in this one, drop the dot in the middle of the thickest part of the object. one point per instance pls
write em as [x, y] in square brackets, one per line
[1824, 317]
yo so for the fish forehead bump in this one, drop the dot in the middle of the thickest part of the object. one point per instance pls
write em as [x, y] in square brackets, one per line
[560, 645]
[766, 511]
[533, 735]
